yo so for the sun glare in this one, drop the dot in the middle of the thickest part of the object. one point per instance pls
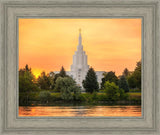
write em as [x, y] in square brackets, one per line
[36, 72]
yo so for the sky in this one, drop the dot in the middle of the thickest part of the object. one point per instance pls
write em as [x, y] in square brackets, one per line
[48, 44]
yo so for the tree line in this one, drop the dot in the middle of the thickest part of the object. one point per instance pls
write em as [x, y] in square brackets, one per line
[128, 80]
[114, 86]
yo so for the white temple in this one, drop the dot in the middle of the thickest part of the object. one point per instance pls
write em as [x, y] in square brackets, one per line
[80, 66]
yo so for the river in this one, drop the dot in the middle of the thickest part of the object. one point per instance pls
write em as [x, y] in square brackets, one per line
[91, 111]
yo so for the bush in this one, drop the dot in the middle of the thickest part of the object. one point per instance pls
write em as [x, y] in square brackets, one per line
[114, 93]
[44, 96]
[67, 86]
[55, 97]
[102, 97]
[86, 97]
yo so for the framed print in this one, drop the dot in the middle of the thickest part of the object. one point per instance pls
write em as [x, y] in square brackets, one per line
[79, 67]
[98, 89]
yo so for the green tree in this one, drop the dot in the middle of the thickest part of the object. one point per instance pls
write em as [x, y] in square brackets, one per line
[131, 81]
[111, 77]
[134, 80]
[66, 85]
[62, 74]
[44, 81]
[26, 84]
[90, 83]
[112, 91]
[44, 96]
[51, 78]
[125, 72]
[137, 74]
[123, 84]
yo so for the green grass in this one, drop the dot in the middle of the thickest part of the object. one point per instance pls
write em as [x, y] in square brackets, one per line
[134, 95]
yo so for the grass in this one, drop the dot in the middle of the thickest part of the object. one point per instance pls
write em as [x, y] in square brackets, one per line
[135, 95]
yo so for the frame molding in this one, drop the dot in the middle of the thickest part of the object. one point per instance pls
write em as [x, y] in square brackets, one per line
[147, 10]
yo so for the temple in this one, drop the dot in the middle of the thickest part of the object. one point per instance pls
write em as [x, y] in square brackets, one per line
[80, 66]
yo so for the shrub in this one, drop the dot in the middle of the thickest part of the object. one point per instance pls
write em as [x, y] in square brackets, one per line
[66, 86]
[44, 96]
[112, 91]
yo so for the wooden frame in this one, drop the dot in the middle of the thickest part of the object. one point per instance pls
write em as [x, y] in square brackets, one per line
[147, 10]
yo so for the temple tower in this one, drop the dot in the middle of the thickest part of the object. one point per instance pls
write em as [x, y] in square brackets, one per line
[80, 67]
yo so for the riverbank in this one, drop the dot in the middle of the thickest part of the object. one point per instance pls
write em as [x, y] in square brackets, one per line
[33, 99]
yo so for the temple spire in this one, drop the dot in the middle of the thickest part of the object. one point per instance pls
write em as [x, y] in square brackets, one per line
[80, 37]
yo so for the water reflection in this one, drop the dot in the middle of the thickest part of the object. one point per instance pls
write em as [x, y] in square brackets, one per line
[80, 111]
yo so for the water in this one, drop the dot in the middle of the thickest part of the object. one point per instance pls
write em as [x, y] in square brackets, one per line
[116, 110]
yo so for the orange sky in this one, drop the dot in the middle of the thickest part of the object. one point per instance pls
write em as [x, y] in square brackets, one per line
[111, 44]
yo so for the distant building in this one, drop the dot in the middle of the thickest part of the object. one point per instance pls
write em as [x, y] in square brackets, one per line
[80, 66]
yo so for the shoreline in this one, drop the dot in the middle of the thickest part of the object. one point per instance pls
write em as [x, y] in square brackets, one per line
[63, 103]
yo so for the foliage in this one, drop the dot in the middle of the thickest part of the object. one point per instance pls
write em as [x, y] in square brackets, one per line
[55, 97]
[137, 74]
[123, 84]
[131, 81]
[77, 92]
[135, 90]
[62, 74]
[44, 96]
[123, 95]
[90, 83]
[45, 81]
[126, 72]
[111, 77]
[66, 86]
[26, 84]
[134, 79]
[113, 92]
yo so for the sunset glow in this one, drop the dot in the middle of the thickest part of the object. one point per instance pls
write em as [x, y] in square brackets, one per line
[48, 44]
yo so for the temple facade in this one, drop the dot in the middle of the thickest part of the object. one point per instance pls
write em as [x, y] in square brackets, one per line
[80, 66]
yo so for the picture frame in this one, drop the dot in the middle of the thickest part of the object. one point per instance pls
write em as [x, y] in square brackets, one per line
[147, 10]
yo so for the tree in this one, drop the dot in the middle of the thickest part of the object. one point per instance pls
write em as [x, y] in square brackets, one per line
[131, 81]
[111, 77]
[62, 74]
[66, 85]
[112, 91]
[137, 74]
[44, 96]
[44, 81]
[26, 80]
[51, 77]
[26, 84]
[123, 84]
[90, 83]
[125, 72]
[134, 80]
